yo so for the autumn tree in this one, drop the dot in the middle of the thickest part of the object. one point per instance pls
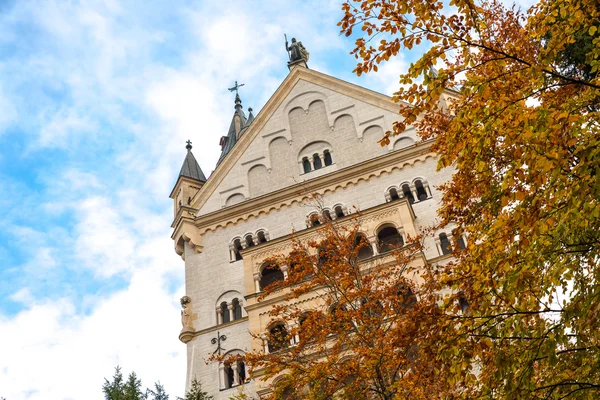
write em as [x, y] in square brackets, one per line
[511, 99]
[349, 325]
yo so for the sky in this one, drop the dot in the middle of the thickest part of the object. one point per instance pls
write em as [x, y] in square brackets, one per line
[97, 99]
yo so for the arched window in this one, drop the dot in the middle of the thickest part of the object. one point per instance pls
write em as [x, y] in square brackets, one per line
[237, 309]
[407, 193]
[445, 244]
[237, 247]
[406, 297]
[242, 371]
[262, 238]
[460, 242]
[327, 215]
[421, 192]
[306, 165]
[313, 220]
[365, 250]
[389, 238]
[339, 212]
[249, 241]
[270, 273]
[317, 161]
[225, 312]
[229, 374]
[327, 156]
[394, 194]
[278, 338]
[316, 317]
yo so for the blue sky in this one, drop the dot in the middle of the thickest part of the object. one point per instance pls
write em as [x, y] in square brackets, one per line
[97, 99]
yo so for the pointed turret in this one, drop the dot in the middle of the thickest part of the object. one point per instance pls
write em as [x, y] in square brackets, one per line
[190, 167]
[189, 182]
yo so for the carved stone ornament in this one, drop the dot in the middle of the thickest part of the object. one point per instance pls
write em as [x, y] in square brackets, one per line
[187, 330]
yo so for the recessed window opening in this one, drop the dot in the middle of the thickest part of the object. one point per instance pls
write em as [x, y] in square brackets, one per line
[445, 244]
[407, 193]
[339, 212]
[328, 159]
[460, 242]
[277, 338]
[365, 251]
[225, 312]
[271, 273]
[394, 194]
[229, 375]
[249, 241]
[261, 237]
[421, 192]
[314, 219]
[317, 161]
[389, 238]
[237, 309]
[327, 215]
[237, 248]
[306, 165]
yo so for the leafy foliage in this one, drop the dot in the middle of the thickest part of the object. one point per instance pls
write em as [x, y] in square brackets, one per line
[362, 334]
[514, 107]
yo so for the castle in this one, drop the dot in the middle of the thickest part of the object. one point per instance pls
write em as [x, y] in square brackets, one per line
[316, 134]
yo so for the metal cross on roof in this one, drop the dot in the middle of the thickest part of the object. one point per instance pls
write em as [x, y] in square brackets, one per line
[235, 87]
[220, 338]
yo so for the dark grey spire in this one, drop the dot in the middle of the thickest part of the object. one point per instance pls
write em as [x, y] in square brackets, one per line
[250, 116]
[235, 130]
[190, 167]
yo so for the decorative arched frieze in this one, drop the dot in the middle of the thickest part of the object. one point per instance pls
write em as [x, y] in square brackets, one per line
[304, 101]
[330, 189]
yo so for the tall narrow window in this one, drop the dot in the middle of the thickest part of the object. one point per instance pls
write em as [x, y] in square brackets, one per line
[460, 242]
[229, 376]
[278, 338]
[394, 194]
[407, 193]
[306, 165]
[237, 309]
[421, 192]
[249, 241]
[261, 237]
[225, 312]
[365, 250]
[317, 161]
[237, 247]
[328, 159]
[445, 244]
[339, 212]
[242, 371]
[327, 215]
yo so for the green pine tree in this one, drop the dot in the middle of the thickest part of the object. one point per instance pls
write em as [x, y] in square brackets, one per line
[195, 392]
[132, 389]
[114, 390]
[158, 393]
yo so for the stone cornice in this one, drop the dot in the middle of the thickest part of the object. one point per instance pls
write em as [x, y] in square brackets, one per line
[217, 327]
[300, 192]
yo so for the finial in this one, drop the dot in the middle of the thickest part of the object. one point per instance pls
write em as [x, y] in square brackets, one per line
[249, 109]
[235, 87]
[188, 145]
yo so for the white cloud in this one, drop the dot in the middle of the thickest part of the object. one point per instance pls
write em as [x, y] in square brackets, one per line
[50, 351]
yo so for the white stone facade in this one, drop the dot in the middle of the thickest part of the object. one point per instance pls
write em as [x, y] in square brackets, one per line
[308, 119]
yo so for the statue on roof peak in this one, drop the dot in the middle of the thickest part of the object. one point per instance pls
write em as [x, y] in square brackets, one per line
[296, 51]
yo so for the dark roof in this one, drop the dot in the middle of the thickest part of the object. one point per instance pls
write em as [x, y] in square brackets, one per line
[232, 136]
[190, 167]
